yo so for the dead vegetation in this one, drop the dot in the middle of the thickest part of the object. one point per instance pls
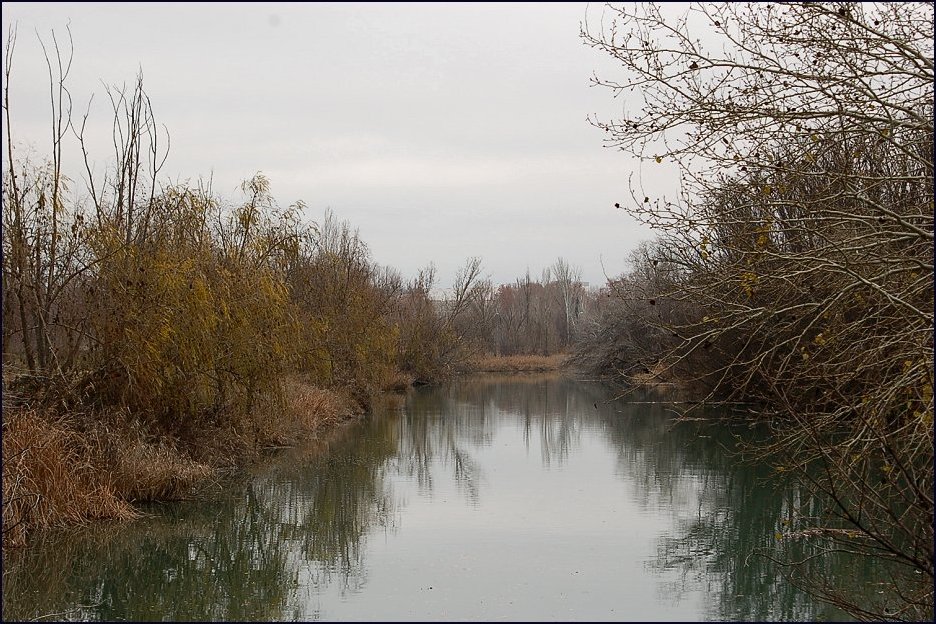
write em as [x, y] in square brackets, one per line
[61, 470]
[52, 477]
[517, 363]
[793, 266]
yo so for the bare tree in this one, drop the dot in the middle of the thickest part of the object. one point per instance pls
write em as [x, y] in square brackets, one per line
[802, 237]
[569, 281]
[43, 256]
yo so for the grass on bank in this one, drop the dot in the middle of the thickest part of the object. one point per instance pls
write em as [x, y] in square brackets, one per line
[80, 467]
[517, 363]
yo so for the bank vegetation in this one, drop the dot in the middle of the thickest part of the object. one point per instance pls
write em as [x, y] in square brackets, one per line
[792, 273]
[156, 334]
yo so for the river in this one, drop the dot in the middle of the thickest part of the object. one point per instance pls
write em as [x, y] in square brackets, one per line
[529, 497]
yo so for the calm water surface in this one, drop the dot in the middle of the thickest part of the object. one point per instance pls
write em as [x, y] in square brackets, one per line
[492, 498]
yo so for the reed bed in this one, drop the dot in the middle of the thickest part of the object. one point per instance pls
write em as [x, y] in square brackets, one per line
[518, 363]
[75, 468]
[50, 477]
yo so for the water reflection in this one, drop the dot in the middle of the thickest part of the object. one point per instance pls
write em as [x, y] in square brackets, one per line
[300, 522]
[335, 532]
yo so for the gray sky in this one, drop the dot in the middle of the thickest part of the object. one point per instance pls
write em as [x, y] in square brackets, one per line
[440, 131]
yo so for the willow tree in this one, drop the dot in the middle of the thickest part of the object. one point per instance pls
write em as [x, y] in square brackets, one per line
[126, 293]
[801, 240]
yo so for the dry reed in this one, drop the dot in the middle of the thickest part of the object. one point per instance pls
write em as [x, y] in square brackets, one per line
[517, 363]
[50, 478]
[60, 470]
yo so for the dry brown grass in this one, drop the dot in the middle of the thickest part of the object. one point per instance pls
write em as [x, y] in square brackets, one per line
[398, 383]
[660, 375]
[518, 363]
[50, 478]
[309, 408]
[301, 412]
[63, 470]
[156, 471]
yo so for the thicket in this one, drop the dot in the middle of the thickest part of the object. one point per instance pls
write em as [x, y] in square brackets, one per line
[153, 331]
[794, 271]
[538, 317]
[479, 321]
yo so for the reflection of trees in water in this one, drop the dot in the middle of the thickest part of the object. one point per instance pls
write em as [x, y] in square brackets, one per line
[444, 424]
[328, 503]
[240, 557]
[216, 564]
[744, 528]
[737, 517]
[301, 525]
[731, 512]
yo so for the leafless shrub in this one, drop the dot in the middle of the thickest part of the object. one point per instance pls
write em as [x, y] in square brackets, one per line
[800, 246]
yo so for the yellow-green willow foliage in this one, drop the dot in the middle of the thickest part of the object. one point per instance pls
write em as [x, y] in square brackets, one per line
[185, 323]
[119, 292]
[345, 303]
[188, 311]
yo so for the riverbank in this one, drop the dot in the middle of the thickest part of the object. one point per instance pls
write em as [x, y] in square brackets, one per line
[662, 377]
[517, 363]
[62, 468]
[380, 506]
[80, 466]
[71, 466]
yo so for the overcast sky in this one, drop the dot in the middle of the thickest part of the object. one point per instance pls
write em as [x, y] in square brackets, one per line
[440, 131]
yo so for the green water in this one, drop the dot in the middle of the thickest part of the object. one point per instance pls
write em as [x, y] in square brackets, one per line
[491, 498]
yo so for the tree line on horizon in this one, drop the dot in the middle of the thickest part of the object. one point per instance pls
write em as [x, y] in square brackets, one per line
[791, 274]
